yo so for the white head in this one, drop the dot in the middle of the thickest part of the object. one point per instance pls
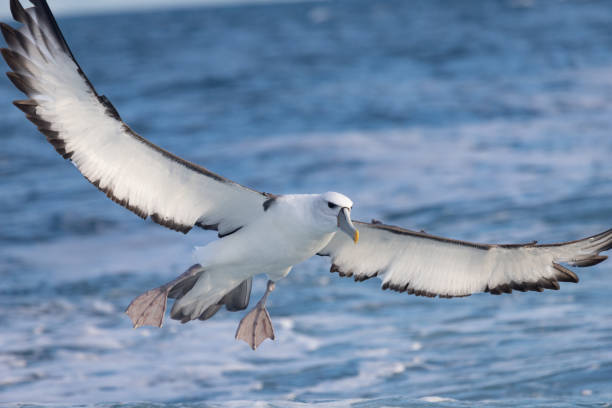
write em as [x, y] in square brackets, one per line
[336, 209]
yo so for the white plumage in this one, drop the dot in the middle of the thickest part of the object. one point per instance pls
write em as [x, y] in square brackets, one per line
[426, 265]
[260, 233]
[86, 128]
[293, 229]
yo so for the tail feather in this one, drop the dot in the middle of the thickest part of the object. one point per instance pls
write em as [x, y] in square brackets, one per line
[195, 300]
[180, 289]
[238, 298]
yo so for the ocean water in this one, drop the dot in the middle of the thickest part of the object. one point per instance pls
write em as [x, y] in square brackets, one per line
[480, 120]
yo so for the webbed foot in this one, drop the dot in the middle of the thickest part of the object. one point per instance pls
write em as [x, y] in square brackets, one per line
[149, 308]
[256, 326]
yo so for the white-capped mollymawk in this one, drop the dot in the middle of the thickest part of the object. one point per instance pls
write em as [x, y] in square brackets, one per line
[86, 129]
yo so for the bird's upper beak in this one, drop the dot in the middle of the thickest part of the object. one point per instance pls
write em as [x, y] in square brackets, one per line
[346, 225]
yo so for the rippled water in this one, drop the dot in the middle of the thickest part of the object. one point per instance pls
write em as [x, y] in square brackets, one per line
[488, 121]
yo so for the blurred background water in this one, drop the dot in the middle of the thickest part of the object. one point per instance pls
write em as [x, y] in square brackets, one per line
[480, 120]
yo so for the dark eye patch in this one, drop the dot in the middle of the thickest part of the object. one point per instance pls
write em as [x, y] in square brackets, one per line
[331, 205]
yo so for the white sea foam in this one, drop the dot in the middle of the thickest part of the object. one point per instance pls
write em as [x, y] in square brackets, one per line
[434, 399]
[503, 140]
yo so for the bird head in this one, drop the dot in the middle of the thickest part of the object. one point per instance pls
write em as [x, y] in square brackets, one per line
[339, 206]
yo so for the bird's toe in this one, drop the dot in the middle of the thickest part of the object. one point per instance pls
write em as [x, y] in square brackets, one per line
[148, 309]
[255, 327]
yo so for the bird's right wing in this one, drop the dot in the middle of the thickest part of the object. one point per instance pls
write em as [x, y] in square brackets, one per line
[427, 265]
[85, 128]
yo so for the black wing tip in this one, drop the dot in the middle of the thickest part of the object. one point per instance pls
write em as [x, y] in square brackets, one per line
[7, 53]
[8, 32]
[21, 83]
[27, 106]
[564, 274]
[590, 261]
[10, 57]
[17, 11]
[6, 29]
[20, 14]
[40, 3]
[43, 23]
[17, 62]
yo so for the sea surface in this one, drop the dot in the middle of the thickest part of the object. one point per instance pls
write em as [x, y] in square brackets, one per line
[479, 120]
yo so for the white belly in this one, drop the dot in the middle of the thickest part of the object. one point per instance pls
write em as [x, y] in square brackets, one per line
[272, 244]
[263, 247]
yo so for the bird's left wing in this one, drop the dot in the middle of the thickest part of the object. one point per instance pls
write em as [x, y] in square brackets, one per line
[84, 127]
[427, 265]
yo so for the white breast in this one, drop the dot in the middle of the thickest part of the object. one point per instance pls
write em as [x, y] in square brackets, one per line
[282, 237]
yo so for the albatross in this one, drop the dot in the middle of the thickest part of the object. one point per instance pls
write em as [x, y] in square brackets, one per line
[259, 233]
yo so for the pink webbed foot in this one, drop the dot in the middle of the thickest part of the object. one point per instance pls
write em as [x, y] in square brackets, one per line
[149, 308]
[256, 326]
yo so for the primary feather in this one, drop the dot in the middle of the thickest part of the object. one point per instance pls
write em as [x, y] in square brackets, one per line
[269, 234]
[426, 265]
[85, 128]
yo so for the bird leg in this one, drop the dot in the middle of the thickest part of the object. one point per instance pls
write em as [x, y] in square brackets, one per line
[256, 326]
[150, 307]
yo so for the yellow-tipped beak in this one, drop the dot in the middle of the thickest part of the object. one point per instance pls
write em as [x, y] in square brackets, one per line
[346, 225]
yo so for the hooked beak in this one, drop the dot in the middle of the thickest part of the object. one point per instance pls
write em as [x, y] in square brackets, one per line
[346, 225]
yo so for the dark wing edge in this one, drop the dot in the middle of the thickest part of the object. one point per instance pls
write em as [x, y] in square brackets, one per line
[580, 253]
[37, 41]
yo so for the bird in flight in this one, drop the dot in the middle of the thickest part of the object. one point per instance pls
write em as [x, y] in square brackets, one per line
[259, 233]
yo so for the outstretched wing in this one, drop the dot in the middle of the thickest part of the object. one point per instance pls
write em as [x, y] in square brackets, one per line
[85, 128]
[426, 265]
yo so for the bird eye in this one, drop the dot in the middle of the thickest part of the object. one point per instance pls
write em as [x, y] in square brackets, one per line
[331, 205]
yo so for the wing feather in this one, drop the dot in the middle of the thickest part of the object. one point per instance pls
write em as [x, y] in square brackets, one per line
[427, 265]
[85, 128]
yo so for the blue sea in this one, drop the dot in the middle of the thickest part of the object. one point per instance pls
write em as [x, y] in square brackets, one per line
[488, 121]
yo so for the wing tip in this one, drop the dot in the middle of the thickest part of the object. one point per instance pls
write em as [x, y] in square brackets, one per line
[32, 43]
[17, 62]
[590, 261]
[7, 31]
[17, 11]
[27, 106]
[564, 274]
[7, 54]
[21, 83]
